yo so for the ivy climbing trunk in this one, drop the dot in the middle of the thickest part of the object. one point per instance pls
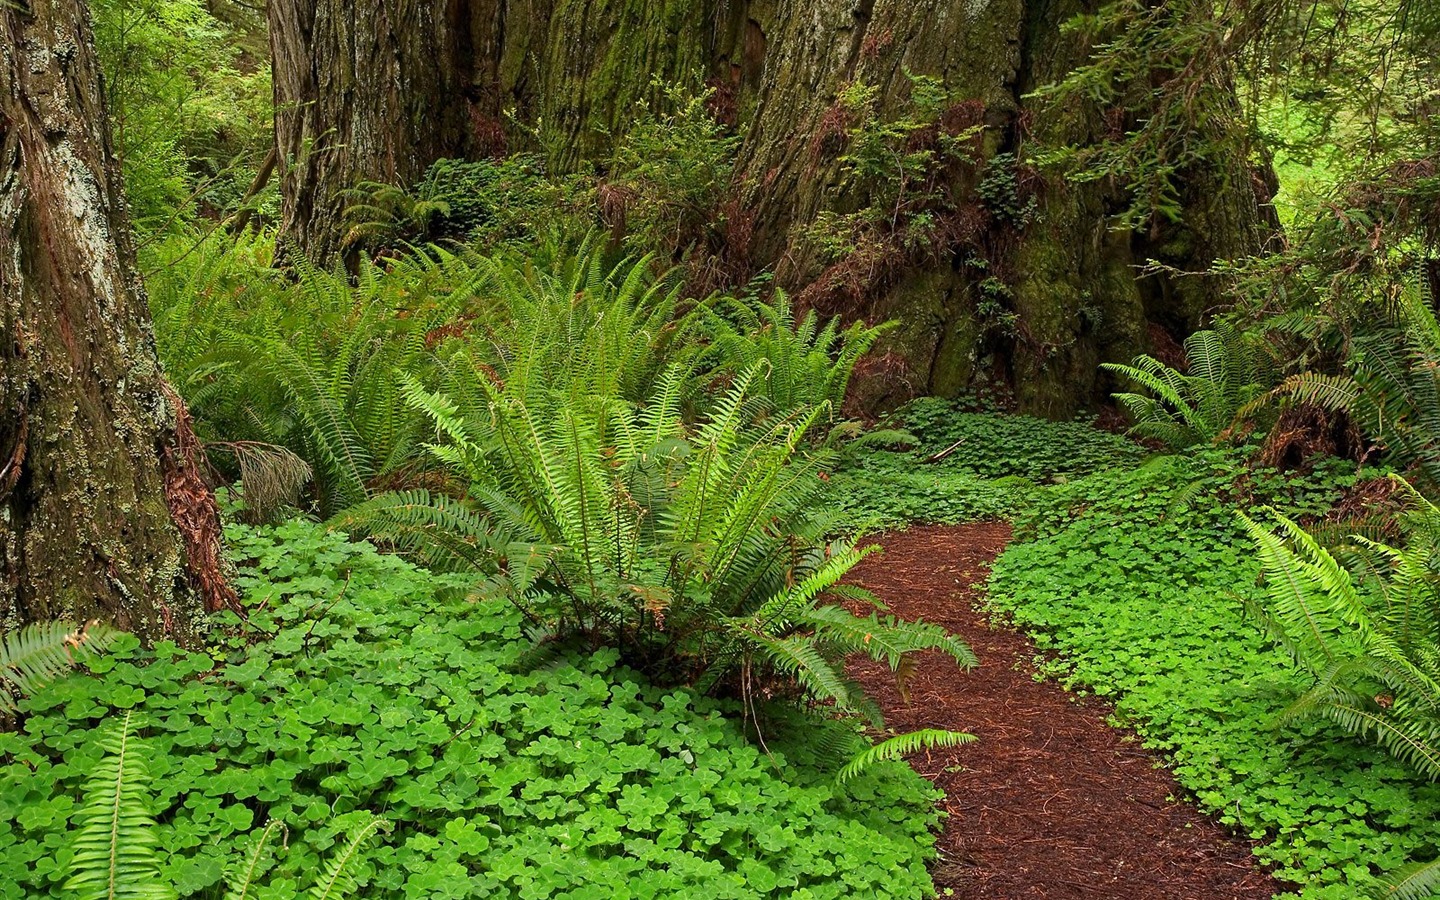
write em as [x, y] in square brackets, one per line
[1016, 279]
[103, 513]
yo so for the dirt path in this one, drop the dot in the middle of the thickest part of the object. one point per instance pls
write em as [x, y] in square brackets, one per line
[1051, 803]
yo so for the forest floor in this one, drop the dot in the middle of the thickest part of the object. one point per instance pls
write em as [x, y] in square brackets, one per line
[1051, 802]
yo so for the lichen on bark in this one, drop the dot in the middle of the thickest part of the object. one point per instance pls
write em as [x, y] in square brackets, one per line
[85, 527]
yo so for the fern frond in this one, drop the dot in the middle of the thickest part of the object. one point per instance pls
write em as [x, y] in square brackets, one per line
[241, 879]
[339, 878]
[116, 852]
[1418, 881]
[901, 746]
[41, 652]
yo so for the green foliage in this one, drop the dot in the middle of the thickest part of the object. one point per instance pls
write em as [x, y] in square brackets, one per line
[900, 746]
[114, 854]
[899, 169]
[695, 549]
[40, 652]
[670, 174]
[380, 688]
[1418, 881]
[997, 445]
[115, 848]
[483, 202]
[800, 362]
[990, 472]
[1393, 389]
[1130, 579]
[1369, 639]
[1182, 409]
[188, 101]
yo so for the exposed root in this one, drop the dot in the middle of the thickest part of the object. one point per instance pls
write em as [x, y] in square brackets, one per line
[1305, 431]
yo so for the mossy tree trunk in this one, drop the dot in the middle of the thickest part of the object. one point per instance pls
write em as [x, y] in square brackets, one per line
[102, 510]
[1026, 283]
[1029, 287]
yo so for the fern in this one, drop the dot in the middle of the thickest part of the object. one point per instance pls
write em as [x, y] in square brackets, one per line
[241, 880]
[339, 878]
[1419, 881]
[115, 850]
[901, 746]
[1184, 409]
[1392, 389]
[804, 363]
[40, 652]
[1368, 636]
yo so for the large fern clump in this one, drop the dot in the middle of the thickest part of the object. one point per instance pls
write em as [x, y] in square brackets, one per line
[1392, 388]
[1196, 406]
[695, 549]
[614, 497]
[1368, 633]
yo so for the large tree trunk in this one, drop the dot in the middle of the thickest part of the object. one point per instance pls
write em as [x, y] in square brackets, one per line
[1028, 302]
[102, 510]
[364, 91]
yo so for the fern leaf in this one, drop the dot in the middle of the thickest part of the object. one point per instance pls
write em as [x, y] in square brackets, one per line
[115, 848]
[339, 878]
[40, 652]
[900, 746]
[1419, 881]
[241, 879]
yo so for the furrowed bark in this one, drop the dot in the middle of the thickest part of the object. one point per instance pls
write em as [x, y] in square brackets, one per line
[571, 73]
[95, 467]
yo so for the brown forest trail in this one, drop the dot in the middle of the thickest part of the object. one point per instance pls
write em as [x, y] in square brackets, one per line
[1051, 802]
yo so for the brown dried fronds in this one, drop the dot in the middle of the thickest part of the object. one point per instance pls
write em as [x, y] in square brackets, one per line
[1165, 348]
[194, 512]
[1306, 431]
[848, 286]
[876, 42]
[832, 132]
[880, 381]
[488, 134]
[962, 116]
[722, 101]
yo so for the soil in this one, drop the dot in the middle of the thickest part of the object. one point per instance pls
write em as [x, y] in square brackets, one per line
[1051, 802]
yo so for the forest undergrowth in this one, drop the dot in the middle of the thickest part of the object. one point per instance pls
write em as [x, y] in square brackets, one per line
[1140, 585]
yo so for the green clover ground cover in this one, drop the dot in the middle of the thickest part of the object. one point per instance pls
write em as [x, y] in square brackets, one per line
[990, 475]
[385, 689]
[1133, 580]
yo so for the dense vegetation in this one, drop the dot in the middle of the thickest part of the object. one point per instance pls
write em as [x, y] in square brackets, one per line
[381, 689]
[541, 494]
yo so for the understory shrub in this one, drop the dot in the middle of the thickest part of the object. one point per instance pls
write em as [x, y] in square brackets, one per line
[1392, 388]
[380, 688]
[698, 550]
[1223, 375]
[1367, 633]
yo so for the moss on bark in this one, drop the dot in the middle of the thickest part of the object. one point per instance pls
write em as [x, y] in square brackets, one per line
[573, 71]
[86, 506]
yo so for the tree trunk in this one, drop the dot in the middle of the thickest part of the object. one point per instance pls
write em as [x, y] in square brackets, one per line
[364, 91]
[1027, 290]
[102, 510]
